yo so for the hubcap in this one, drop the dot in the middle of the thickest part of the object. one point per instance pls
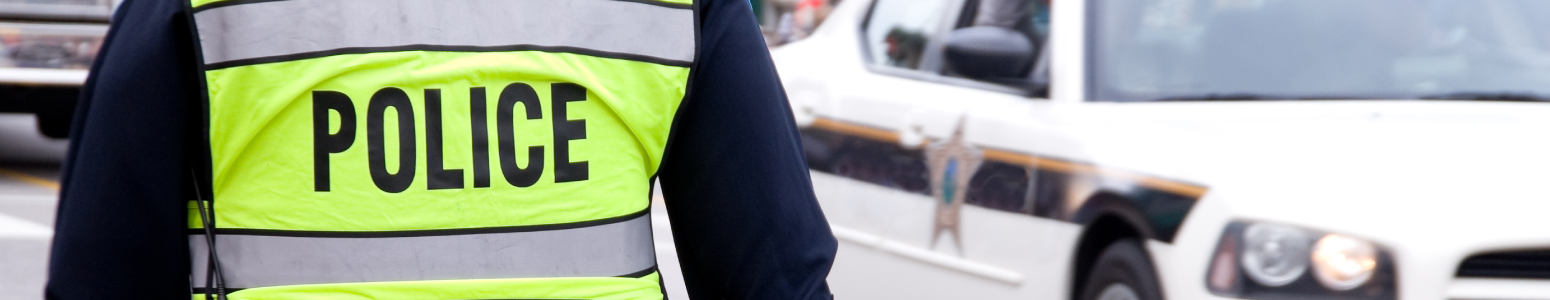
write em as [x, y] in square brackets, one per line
[1118, 291]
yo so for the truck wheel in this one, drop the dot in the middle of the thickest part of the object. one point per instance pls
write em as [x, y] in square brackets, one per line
[1122, 272]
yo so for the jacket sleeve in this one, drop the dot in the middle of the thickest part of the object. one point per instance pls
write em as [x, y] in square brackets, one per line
[735, 182]
[119, 233]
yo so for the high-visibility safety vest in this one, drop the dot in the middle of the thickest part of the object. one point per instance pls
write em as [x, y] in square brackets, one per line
[434, 149]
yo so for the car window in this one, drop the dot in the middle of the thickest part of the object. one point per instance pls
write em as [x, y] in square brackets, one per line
[897, 31]
[1147, 50]
[1028, 17]
[10, 5]
[97, 11]
[66, 2]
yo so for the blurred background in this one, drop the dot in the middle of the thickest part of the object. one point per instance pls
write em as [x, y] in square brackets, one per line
[29, 176]
[786, 21]
[46, 47]
[1099, 149]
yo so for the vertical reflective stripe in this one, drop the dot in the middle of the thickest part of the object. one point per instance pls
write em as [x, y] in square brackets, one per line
[607, 250]
[296, 29]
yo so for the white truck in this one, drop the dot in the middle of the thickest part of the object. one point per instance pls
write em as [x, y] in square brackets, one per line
[1180, 149]
[46, 47]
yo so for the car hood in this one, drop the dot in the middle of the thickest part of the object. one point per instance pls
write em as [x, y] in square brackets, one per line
[1452, 177]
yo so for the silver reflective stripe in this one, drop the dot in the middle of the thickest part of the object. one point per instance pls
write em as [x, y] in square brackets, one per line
[607, 250]
[275, 29]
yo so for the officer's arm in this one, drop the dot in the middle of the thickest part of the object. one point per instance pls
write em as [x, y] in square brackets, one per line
[745, 220]
[119, 232]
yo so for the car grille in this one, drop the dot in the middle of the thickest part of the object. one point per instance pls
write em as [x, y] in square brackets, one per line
[1533, 264]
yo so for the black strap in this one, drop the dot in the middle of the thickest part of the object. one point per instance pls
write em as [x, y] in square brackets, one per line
[218, 280]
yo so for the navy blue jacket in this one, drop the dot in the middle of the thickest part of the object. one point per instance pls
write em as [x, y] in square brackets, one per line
[745, 220]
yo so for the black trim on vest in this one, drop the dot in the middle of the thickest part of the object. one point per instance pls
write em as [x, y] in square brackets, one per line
[641, 273]
[221, 4]
[425, 232]
[201, 291]
[445, 48]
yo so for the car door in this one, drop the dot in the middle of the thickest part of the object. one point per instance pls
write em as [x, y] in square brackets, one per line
[881, 145]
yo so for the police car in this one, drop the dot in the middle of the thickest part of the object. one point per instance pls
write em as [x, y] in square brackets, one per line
[1180, 149]
[45, 48]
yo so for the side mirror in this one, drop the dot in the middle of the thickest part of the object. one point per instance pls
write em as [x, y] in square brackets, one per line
[990, 53]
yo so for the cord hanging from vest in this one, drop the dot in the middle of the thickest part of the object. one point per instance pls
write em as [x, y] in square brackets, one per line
[219, 277]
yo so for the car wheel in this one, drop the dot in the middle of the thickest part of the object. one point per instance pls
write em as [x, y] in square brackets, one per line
[54, 123]
[1122, 272]
[54, 106]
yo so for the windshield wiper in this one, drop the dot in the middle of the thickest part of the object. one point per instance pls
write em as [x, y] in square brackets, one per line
[1217, 97]
[1252, 96]
[1488, 96]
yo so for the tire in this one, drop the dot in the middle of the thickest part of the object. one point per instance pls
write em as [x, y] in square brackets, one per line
[1122, 272]
[54, 107]
[54, 123]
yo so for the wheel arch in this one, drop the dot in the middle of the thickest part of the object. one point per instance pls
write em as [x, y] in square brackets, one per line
[1106, 217]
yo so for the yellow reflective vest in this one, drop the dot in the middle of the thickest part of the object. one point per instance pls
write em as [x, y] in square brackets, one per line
[434, 149]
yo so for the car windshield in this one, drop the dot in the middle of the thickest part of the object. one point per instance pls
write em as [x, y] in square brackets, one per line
[57, 2]
[55, 9]
[1148, 50]
[13, 3]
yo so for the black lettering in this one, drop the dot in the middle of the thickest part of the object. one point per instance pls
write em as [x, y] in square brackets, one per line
[513, 93]
[324, 143]
[481, 135]
[566, 130]
[375, 111]
[437, 176]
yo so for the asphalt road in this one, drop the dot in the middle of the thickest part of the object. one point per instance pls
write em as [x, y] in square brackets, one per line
[29, 184]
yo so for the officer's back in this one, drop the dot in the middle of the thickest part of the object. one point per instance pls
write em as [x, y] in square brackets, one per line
[434, 149]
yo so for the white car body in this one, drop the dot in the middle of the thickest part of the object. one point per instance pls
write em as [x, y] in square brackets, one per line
[46, 48]
[1432, 182]
[52, 20]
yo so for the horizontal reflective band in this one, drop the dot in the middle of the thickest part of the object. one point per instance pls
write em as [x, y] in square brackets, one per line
[245, 33]
[607, 250]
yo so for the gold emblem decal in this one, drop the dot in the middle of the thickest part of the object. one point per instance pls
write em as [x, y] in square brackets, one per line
[952, 163]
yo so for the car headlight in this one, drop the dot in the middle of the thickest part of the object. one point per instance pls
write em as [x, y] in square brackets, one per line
[1274, 255]
[1342, 263]
[1273, 261]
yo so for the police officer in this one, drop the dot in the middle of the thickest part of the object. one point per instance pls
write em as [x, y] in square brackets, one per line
[434, 149]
